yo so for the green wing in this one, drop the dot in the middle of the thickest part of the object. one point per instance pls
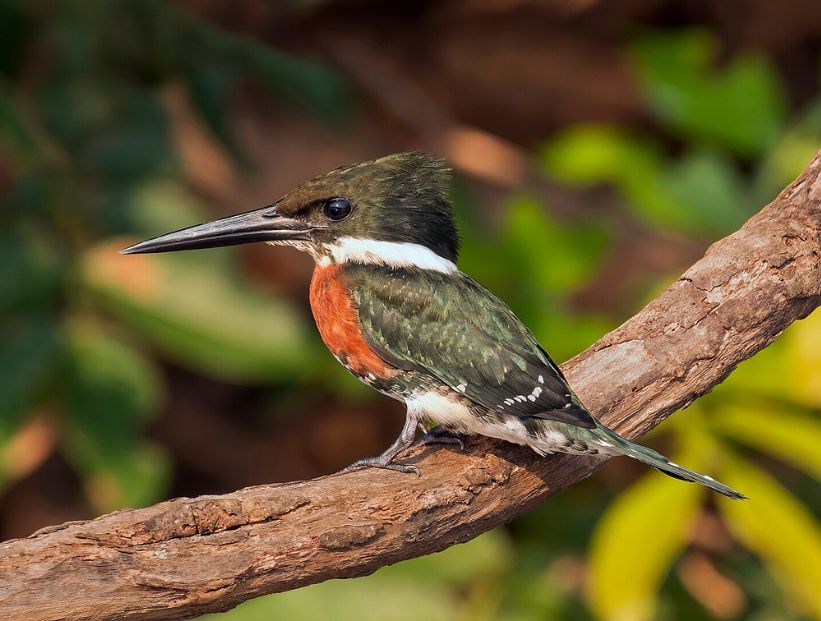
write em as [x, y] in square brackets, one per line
[450, 327]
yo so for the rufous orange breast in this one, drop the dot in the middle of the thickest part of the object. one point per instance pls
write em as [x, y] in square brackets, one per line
[338, 323]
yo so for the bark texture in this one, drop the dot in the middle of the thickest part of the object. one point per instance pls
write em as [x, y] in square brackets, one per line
[189, 556]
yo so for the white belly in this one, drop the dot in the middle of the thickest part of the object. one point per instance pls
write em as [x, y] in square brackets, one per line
[454, 414]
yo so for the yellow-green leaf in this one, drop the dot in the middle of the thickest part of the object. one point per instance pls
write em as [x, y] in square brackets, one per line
[775, 525]
[430, 588]
[635, 543]
[788, 436]
[804, 359]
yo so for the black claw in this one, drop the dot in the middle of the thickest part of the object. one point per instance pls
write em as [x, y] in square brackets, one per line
[438, 435]
[376, 462]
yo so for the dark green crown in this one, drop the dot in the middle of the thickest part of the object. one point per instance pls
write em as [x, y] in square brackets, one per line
[400, 198]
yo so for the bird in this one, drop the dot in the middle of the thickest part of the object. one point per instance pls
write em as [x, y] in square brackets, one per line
[392, 306]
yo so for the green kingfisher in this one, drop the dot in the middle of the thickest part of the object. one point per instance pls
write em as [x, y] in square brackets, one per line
[393, 307]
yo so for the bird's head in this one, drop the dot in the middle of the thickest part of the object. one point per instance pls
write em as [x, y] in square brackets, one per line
[394, 210]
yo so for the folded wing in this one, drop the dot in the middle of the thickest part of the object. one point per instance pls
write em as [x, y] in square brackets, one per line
[450, 327]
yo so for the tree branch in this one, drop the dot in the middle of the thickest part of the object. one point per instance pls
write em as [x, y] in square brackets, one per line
[187, 556]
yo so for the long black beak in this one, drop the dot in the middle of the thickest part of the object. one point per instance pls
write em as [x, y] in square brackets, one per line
[259, 225]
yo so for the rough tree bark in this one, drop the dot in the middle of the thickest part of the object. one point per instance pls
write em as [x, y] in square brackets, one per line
[189, 556]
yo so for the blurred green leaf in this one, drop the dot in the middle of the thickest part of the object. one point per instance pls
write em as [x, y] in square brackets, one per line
[788, 436]
[201, 315]
[708, 187]
[636, 541]
[787, 159]
[803, 359]
[30, 355]
[197, 308]
[74, 111]
[546, 254]
[766, 375]
[137, 477]
[740, 106]
[113, 390]
[565, 331]
[365, 599]
[30, 196]
[593, 154]
[588, 154]
[778, 528]
[132, 144]
[13, 131]
[306, 84]
[417, 589]
[209, 90]
[700, 193]
[788, 369]
[545, 262]
[159, 207]
[29, 269]
[460, 565]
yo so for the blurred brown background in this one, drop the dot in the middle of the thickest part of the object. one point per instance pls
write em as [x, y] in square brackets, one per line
[598, 148]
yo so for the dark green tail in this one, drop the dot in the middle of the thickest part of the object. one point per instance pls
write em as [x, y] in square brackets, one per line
[661, 463]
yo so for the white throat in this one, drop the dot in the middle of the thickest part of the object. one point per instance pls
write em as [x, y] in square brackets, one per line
[392, 254]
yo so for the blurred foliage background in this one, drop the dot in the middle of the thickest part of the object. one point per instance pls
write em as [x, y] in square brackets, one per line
[599, 146]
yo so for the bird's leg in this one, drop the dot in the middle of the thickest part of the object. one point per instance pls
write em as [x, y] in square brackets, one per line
[439, 435]
[385, 460]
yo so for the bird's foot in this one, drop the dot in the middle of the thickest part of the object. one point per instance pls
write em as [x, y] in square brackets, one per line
[385, 460]
[384, 463]
[440, 435]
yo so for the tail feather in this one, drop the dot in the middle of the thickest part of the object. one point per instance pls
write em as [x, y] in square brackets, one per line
[662, 464]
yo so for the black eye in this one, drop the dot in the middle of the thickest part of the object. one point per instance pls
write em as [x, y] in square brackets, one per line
[337, 209]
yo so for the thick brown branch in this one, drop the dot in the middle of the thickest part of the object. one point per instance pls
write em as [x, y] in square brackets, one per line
[189, 556]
